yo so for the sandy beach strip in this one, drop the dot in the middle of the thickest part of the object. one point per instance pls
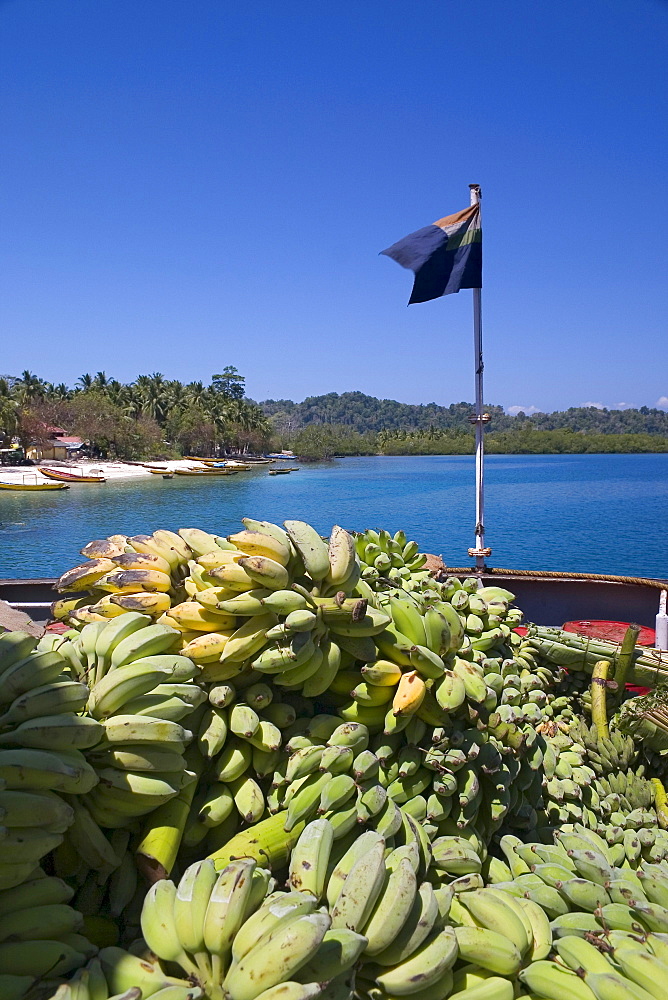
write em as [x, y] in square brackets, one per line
[110, 470]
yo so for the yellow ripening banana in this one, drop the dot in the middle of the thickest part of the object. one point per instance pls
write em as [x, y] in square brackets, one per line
[199, 541]
[149, 544]
[193, 616]
[266, 572]
[64, 606]
[220, 557]
[256, 543]
[84, 616]
[175, 542]
[102, 548]
[207, 647]
[409, 694]
[211, 597]
[382, 673]
[85, 576]
[142, 560]
[146, 603]
[248, 639]
[131, 581]
[105, 608]
[233, 576]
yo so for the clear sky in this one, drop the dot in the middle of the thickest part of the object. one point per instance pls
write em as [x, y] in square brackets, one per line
[187, 184]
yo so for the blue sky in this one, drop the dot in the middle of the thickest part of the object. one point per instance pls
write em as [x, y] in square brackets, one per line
[187, 184]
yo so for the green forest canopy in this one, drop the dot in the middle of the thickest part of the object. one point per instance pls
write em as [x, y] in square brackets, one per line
[158, 417]
[362, 413]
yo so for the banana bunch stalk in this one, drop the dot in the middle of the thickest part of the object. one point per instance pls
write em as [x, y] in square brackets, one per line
[646, 719]
[577, 652]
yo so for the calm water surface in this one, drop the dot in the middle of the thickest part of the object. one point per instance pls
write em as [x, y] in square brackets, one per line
[596, 513]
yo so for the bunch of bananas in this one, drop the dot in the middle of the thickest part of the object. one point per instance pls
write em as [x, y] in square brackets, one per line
[42, 767]
[596, 780]
[40, 933]
[349, 902]
[393, 559]
[115, 974]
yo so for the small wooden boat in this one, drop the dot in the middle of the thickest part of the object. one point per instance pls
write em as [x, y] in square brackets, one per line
[158, 472]
[279, 472]
[206, 472]
[168, 475]
[34, 486]
[221, 463]
[69, 477]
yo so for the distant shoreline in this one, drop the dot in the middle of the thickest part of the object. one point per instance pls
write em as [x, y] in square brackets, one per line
[125, 470]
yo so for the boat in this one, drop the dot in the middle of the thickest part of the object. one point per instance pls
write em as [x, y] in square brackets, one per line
[158, 472]
[222, 463]
[280, 472]
[286, 456]
[34, 486]
[69, 477]
[206, 472]
[168, 475]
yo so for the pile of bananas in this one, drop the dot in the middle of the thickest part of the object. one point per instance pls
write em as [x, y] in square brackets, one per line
[572, 919]
[324, 713]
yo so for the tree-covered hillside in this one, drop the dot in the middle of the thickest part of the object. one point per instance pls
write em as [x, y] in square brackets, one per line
[366, 414]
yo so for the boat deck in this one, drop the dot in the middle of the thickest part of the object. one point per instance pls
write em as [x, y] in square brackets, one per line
[544, 601]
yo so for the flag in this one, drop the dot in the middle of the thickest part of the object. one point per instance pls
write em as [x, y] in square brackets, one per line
[445, 256]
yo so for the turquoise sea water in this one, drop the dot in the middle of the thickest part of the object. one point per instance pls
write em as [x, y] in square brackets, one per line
[596, 513]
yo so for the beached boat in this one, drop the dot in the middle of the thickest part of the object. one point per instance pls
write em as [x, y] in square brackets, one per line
[206, 472]
[222, 463]
[34, 486]
[158, 472]
[62, 476]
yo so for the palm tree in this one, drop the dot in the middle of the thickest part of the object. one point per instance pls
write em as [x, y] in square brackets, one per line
[29, 387]
[85, 382]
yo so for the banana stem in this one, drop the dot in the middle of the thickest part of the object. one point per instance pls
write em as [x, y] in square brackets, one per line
[267, 842]
[161, 838]
[306, 594]
[625, 658]
[660, 802]
[599, 683]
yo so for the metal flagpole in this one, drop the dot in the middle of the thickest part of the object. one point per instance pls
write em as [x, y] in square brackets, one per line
[480, 419]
